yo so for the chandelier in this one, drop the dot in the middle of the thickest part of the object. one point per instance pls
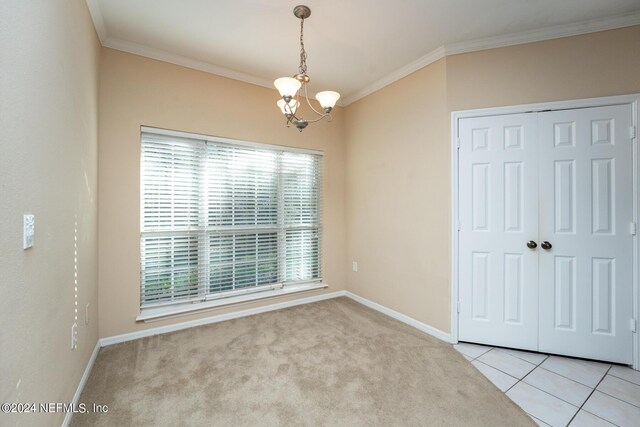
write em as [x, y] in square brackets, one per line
[290, 87]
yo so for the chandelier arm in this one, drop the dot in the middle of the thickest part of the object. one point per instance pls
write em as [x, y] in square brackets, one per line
[311, 106]
[293, 115]
[320, 118]
[289, 110]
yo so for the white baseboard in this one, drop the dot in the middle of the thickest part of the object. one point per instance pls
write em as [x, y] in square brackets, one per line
[215, 319]
[83, 381]
[444, 336]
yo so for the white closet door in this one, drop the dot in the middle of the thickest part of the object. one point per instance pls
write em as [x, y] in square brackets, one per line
[498, 200]
[586, 209]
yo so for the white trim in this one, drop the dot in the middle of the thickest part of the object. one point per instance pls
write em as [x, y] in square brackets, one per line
[455, 218]
[634, 100]
[172, 58]
[98, 20]
[159, 313]
[636, 241]
[548, 33]
[83, 381]
[541, 106]
[542, 34]
[221, 139]
[116, 339]
[215, 319]
[401, 317]
[396, 75]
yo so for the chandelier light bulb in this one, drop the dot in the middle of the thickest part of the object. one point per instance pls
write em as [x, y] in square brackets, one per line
[290, 109]
[287, 86]
[328, 99]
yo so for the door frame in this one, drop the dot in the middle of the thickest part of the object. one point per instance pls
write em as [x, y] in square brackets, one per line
[634, 101]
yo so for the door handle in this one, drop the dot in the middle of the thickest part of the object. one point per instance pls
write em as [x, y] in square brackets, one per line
[546, 245]
[531, 244]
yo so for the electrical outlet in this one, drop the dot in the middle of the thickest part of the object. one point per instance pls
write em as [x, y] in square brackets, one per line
[86, 314]
[74, 336]
[354, 266]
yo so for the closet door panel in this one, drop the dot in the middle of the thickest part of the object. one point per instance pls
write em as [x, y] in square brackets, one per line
[498, 276]
[586, 174]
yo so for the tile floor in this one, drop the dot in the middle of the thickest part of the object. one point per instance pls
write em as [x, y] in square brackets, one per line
[560, 391]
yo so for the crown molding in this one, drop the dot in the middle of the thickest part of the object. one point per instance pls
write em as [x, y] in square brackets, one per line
[98, 20]
[207, 67]
[172, 58]
[412, 67]
[161, 55]
[548, 33]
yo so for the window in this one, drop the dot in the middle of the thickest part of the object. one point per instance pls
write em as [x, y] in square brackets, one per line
[222, 218]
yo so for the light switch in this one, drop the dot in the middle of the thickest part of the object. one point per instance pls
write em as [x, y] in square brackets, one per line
[28, 231]
[354, 266]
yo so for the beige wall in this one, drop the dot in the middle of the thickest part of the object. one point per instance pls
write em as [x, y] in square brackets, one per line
[48, 167]
[398, 154]
[397, 196]
[137, 91]
[591, 65]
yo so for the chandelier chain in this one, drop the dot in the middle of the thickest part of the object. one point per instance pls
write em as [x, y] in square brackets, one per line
[303, 53]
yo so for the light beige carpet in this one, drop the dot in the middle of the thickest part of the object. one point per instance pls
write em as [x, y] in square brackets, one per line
[331, 363]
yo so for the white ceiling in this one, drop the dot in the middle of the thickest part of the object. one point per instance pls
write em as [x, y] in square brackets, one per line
[354, 47]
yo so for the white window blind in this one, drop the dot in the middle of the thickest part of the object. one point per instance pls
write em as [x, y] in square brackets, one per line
[220, 219]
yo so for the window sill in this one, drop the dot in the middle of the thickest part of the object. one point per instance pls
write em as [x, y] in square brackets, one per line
[151, 314]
